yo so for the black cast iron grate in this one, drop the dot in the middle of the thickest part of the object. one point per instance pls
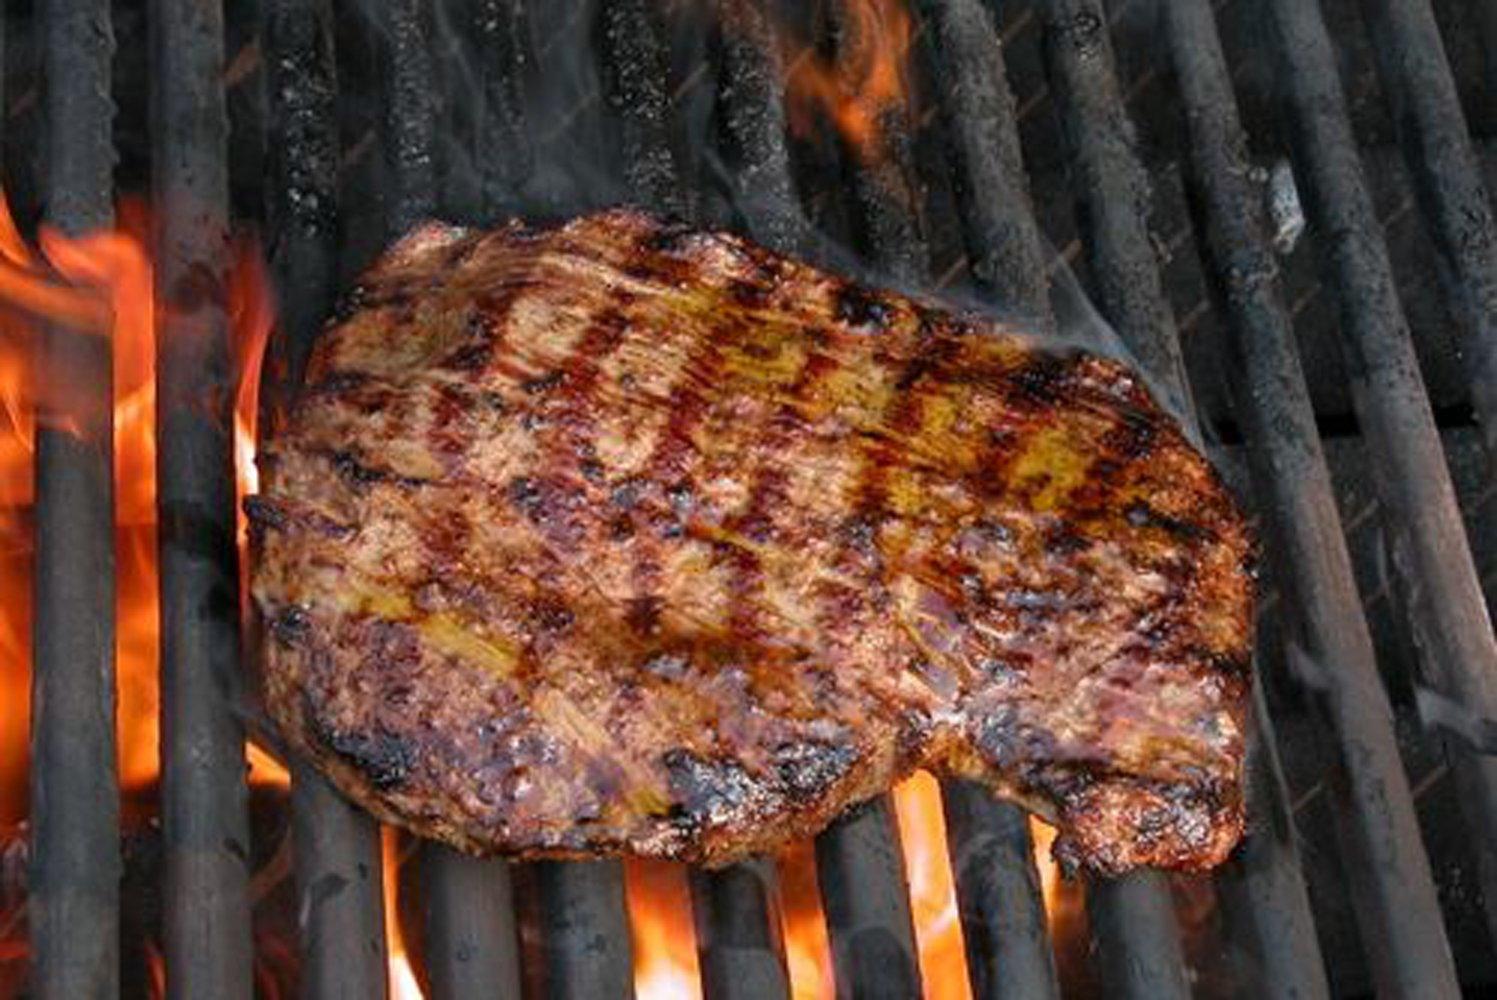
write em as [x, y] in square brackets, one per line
[695, 124]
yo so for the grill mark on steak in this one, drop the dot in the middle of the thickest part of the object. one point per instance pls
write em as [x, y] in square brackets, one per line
[767, 492]
[576, 426]
[687, 405]
[485, 326]
[878, 456]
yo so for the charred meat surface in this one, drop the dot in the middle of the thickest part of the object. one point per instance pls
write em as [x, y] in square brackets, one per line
[617, 536]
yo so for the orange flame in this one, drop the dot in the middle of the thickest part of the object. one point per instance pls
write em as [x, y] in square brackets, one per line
[938, 926]
[808, 949]
[101, 282]
[16, 446]
[115, 265]
[859, 88]
[661, 931]
[402, 975]
[251, 319]
[1043, 835]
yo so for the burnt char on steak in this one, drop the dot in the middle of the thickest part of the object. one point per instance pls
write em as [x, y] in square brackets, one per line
[621, 537]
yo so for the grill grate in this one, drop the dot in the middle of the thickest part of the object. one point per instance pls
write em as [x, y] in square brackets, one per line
[472, 157]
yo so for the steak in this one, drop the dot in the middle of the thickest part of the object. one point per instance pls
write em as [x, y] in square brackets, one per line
[620, 537]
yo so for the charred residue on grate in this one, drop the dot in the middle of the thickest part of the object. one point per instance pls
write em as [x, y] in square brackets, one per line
[475, 109]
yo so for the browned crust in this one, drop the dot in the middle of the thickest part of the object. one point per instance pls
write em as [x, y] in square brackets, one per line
[618, 537]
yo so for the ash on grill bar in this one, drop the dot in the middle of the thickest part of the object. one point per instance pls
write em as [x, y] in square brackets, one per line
[1278, 210]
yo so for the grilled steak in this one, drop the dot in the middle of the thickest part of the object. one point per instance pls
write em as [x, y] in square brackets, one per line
[621, 537]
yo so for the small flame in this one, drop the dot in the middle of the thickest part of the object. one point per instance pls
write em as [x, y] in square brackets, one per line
[251, 320]
[808, 950]
[938, 925]
[1065, 902]
[858, 89]
[264, 769]
[252, 316]
[402, 976]
[661, 931]
[155, 969]
[1043, 835]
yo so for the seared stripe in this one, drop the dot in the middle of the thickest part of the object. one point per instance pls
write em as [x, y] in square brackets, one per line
[904, 415]
[668, 466]
[767, 494]
[486, 326]
[571, 391]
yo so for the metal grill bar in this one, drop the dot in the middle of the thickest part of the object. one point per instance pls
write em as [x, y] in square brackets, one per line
[634, 83]
[503, 146]
[1138, 939]
[1133, 918]
[73, 909]
[865, 897]
[1448, 611]
[1262, 887]
[1113, 193]
[737, 934]
[471, 939]
[584, 929]
[337, 847]
[487, 150]
[998, 894]
[302, 190]
[1003, 243]
[339, 888]
[1486, 27]
[738, 937]
[205, 821]
[1448, 183]
[752, 97]
[1003, 914]
[472, 943]
[1447, 179]
[410, 120]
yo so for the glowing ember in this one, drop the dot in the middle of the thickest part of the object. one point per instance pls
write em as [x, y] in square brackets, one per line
[938, 926]
[661, 931]
[402, 977]
[808, 950]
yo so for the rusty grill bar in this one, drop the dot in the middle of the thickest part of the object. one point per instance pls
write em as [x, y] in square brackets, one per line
[452, 140]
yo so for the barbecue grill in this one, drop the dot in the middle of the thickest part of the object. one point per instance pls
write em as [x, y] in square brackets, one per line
[1093, 168]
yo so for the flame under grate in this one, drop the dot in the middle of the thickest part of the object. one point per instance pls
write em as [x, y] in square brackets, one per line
[887, 136]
